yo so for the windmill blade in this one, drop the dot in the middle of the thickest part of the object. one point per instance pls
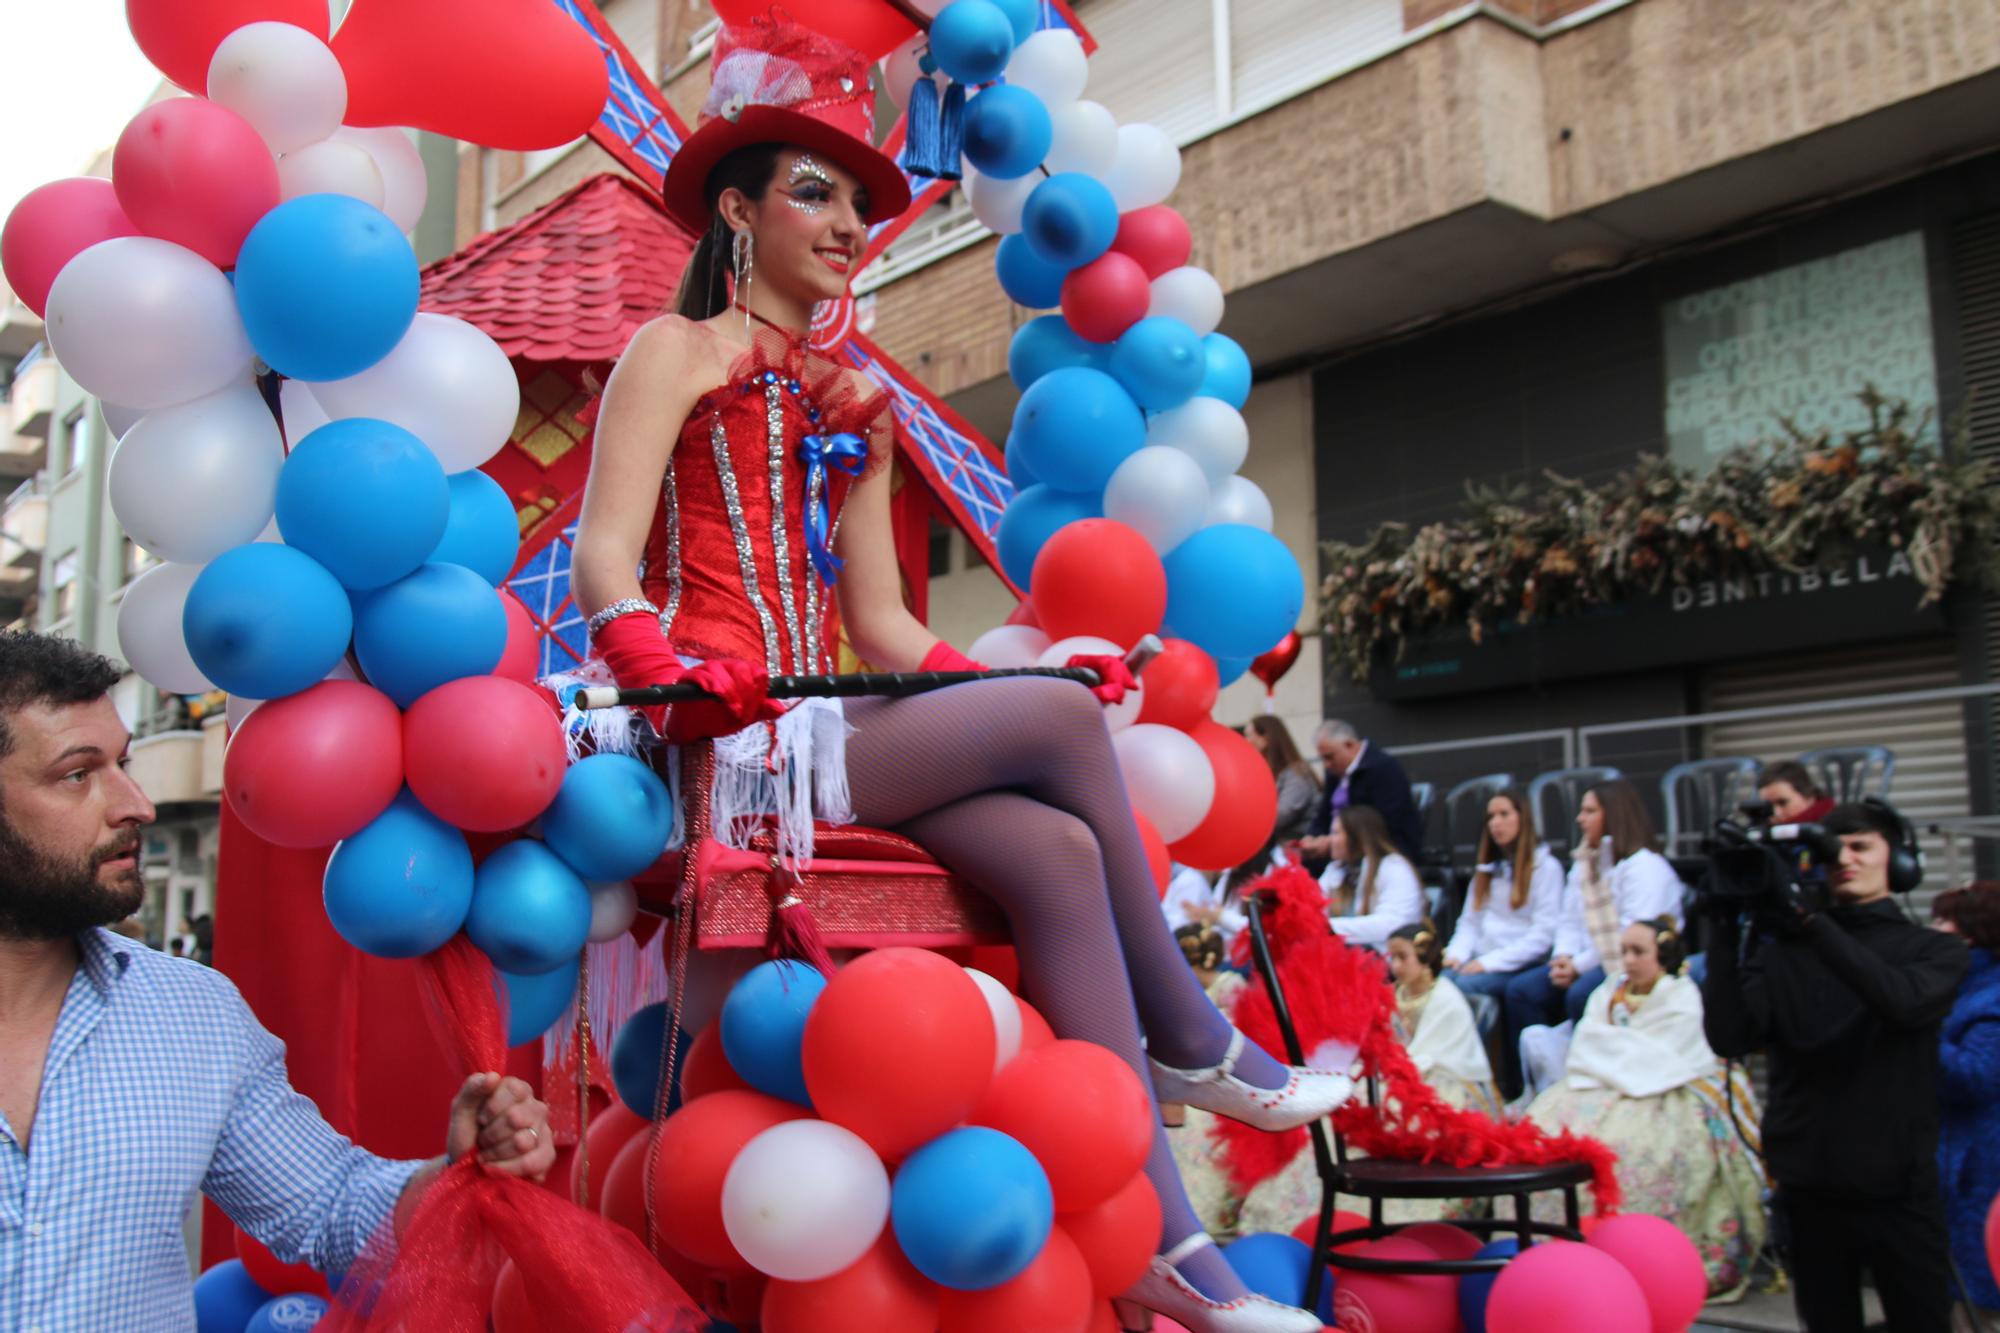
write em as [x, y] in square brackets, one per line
[637, 126]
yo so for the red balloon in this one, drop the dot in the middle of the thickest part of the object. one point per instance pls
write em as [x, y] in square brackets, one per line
[274, 1274]
[1023, 614]
[1405, 1302]
[1663, 1261]
[1158, 237]
[1081, 1111]
[1440, 1238]
[1050, 1295]
[697, 1145]
[1097, 576]
[180, 36]
[1105, 297]
[1246, 802]
[1035, 1030]
[513, 1312]
[1158, 859]
[522, 658]
[1342, 1221]
[899, 1048]
[1560, 1286]
[706, 1069]
[1180, 686]
[1104, 1319]
[1118, 1237]
[623, 1198]
[483, 753]
[1272, 666]
[611, 1128]
[459, 67]
[882, 1292]
[52, 225]
[317, 766]
[193, 172]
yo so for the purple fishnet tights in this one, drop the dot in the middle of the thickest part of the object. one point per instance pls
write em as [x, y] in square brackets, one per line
[1013, 784]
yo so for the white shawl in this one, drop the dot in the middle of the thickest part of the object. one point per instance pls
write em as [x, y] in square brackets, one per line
[1661, 1049]
[1447, 1038]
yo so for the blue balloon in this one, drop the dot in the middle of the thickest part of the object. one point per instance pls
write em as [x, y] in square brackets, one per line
[295, 1313]
[1074, 426]
[365, 498]
[482, 532]
[764, 1026]
[534, 1004]
[1278, 1266]
[1025, 15]
[635, 1060]
[1031, 518]
[971, 1208]
[1226, 370]
[1160, 362]
[610, 819]
[1229, 670]
[1047, 343]
[530, 913]
[1007, 132]
[972, 41]
[1026, 277]
[326, 285]
[1070, 219]
[401, 886]
[1018, 470]
[1233, 590]
[1475, 1288]
[225, 1297]
[439, 624]
[265, 620]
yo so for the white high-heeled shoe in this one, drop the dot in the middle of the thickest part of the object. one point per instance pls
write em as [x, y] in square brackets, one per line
[1164, 1291]
[1307, 1095]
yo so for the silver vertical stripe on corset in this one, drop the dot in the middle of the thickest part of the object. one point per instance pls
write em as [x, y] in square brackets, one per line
[815, 647]
[781, 549]
[746, 554]
[671, 495]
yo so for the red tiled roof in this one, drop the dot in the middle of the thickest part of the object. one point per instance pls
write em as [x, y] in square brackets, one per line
[573, 280]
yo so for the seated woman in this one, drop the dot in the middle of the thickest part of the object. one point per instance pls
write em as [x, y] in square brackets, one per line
[1372, 887]
[1509, 921]
[1969, 1085]
[1642, 1080]
[1298, 785]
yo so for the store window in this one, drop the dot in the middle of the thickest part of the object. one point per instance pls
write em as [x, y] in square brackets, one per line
[62, 585]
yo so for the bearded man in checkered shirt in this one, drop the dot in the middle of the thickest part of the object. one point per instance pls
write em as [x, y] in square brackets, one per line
[130, 1080]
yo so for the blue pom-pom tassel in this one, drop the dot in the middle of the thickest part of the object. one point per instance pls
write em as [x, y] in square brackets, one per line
[936, 130]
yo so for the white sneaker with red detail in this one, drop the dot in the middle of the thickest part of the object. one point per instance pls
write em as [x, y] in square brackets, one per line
[1164, 1291]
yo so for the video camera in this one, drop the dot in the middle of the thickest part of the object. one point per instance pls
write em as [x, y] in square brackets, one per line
[1755, 865]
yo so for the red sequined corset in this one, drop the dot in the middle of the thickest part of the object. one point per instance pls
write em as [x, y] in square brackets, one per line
[757, 483]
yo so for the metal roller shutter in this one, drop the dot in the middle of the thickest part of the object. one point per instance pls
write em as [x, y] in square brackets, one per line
[1155, 62]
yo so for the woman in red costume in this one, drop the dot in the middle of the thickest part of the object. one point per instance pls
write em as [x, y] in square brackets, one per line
[744, 478]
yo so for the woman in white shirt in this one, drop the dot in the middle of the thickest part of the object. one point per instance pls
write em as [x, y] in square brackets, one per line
[1616, 878]
[1373, 888]
[1508, 925]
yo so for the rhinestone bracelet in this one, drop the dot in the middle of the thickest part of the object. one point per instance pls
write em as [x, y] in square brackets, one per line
[623, 607]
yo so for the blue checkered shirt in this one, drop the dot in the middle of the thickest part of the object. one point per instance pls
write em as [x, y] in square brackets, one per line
[160, 1083]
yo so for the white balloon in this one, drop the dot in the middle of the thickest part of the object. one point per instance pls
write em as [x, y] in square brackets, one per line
[1167, 776]
[1209, 431]
[1009, 646]
[612, 908]
[1190, 295]
[283, 80]
[1117, 716]
[447, 383]
[405, 187]
[998, 203]
[1239, 500]
[1006, 1017]
[149, 629]
[146, 323]
[1086, 139]
[331, 167]
[118, 418]
[237, 709]
[1161, 492]
[303, 414]
[1051, 65]
[805, 1199]
[190, 481]
[1147, 167]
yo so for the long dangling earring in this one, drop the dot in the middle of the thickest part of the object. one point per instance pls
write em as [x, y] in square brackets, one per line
[743, 257]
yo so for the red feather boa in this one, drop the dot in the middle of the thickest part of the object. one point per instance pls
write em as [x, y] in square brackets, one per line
[1340, 994]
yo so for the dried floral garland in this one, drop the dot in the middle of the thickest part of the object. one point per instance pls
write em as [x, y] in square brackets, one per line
[1779, 506]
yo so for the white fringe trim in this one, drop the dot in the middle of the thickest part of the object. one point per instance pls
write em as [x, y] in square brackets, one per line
[624, 978]
[810, 778]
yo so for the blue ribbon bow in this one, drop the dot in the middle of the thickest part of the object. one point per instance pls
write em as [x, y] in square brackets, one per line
[848, 453]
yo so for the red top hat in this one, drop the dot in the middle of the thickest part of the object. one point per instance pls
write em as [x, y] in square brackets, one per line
[776, 81]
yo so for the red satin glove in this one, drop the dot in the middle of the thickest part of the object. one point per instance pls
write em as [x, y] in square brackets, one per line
[639, 655]
[944, 657]
[1113, 676]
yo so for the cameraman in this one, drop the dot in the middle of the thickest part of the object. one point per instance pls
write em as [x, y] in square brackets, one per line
[1849, 998]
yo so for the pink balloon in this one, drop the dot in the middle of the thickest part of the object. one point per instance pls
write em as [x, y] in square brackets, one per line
[1405, 1302]
[1442, 1239]
[1664, 1261]
[1564, 1287]
[195, 173]
[53, 224]
[523, 656]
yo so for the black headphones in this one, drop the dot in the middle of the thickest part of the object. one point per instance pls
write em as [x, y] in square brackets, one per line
[1906, 858]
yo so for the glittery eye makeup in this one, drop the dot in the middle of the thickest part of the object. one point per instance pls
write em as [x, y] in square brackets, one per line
[809, 188]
